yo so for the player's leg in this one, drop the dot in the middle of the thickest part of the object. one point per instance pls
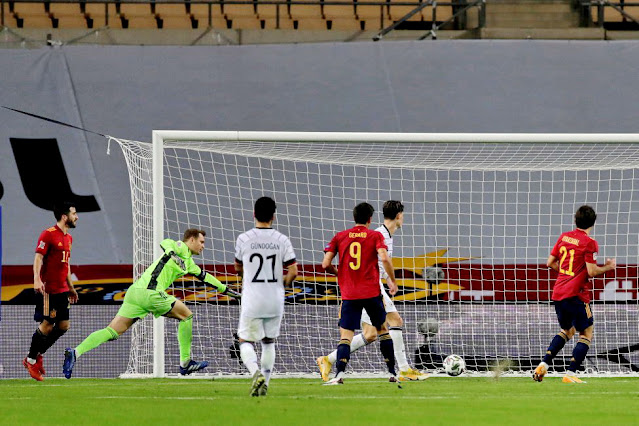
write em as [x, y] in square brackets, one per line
[271, 332]
[134, 307]
[565, 319]
[366, 337]
[377, 313]
[115, 329]
[251, 330]
[395, 323]
[181, 312]
[45, 314]
[61, 305]
[39, 339]
[350, 317]
[585, 324]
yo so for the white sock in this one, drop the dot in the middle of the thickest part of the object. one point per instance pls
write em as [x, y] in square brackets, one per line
[400, 350]
[249, 358]
[268, 360]
[357, 343]
[31, 360]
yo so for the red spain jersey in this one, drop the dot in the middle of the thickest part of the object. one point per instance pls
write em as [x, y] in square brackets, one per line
[358, 273]
[55, 247]
[573, 250]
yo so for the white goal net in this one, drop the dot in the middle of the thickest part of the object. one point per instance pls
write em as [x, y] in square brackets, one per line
[482, 214]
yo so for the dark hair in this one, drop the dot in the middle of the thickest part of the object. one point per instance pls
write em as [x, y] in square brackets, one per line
[192, 233]
[264, 209]
[362, 213]
[392, 208]
[62, 208]
[585, 217]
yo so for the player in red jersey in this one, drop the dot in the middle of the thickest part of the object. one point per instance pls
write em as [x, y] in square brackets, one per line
[53, 287]
[574, 257]
[359, 250]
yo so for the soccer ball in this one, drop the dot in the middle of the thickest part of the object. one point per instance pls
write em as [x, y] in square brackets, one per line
[454, 365]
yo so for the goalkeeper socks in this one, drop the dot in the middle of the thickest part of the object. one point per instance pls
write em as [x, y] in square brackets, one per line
[249, 358]
[268, 360]
[556, 345]
[358, 342]
[386, 347]
[38, 341]
[95, 339]
[397, 335]
[579, 354]
[53, 337]
[343, 355]
[185, 337]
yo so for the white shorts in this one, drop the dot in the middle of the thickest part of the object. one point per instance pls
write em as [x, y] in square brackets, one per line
[389, 306]
[255, 329]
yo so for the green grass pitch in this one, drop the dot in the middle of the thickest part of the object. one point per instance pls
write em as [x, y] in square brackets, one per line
[438, 400]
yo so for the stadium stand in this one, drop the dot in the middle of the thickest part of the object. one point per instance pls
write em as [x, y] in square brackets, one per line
[568, 19]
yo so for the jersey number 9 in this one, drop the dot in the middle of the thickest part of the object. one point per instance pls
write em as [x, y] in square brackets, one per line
[355, 250]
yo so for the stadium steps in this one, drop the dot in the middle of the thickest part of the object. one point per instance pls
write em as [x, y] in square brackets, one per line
[536, 14]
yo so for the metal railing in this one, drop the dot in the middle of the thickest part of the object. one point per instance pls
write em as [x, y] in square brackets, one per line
[463, 8]
[587, 18]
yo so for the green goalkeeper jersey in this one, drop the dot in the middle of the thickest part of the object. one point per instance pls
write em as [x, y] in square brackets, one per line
[175, 263]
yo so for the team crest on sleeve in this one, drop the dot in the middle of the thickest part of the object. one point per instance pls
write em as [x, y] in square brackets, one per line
[594, 256]
[41, 245]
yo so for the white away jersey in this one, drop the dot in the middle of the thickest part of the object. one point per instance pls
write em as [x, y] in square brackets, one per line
[264, 253]
[388, 240]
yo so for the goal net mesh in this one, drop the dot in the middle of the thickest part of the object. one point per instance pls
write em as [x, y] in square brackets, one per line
[480, 221]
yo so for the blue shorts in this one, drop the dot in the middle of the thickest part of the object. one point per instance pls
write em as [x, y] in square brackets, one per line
[573, 312]
[351, 312]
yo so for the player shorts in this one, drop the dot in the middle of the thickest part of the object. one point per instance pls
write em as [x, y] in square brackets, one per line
[389, 307]
[52, 307]
[138, 302]
[351, 312]
[573, 312]
[255, 329]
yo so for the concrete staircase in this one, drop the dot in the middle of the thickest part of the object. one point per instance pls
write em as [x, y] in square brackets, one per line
[538, 14]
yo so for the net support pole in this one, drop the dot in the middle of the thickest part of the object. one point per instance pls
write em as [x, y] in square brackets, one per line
[158, 235]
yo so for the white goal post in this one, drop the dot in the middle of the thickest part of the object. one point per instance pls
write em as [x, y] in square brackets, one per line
[483, 211]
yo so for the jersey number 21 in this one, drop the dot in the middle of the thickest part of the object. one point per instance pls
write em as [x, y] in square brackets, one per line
[260, 259]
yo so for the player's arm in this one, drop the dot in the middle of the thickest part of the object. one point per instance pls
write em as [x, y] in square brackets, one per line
[239, 269]
[209, 279]
[327, 263]
[383, 257]
[553, 263]
[595, 270]
[291, 274]
[38, 285]
[73, 294]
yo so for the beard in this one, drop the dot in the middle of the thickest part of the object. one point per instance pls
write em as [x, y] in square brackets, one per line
[70, 223]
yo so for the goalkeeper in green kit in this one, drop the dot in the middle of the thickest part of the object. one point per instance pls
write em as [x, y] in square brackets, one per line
[148, 295]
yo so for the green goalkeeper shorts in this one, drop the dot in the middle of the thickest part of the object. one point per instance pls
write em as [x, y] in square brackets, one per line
[139, 302]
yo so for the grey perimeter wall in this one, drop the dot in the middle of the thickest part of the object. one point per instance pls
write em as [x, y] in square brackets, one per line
[443, 86]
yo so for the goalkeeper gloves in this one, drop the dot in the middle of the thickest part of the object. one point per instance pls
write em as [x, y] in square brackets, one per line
[232, 293]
